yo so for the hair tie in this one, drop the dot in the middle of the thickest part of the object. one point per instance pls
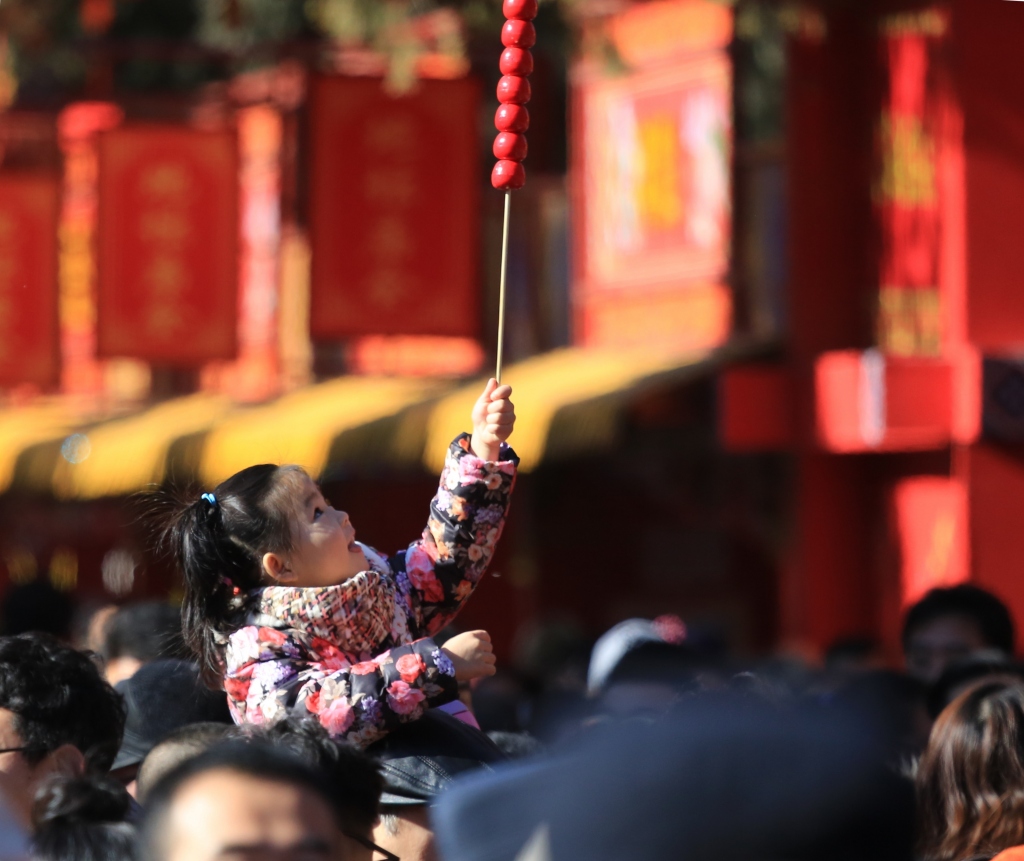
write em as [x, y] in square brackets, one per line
[210, 498]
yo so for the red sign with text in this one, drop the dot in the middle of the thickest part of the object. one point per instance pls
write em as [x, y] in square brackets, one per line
[29, 210]
[167, 244]
[651, 185]
[919, 182]
[393, 209]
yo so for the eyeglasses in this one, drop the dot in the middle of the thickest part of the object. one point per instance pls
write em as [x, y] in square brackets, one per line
[369, 844]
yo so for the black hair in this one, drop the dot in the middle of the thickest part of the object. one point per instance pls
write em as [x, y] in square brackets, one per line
[58, 697]
[218, 541]
[178, 746]
[960, 675]
[892, 705]
[146, 630]
[257, 760]
[967, 602]
[657, 663]
[355, 776]
[162, 696]
[83, 818]
[846, 651]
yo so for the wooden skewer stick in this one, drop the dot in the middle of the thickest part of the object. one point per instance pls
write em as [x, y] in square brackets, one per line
[501, 285]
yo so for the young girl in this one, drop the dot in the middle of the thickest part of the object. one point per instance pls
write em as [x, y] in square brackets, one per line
[294, 614]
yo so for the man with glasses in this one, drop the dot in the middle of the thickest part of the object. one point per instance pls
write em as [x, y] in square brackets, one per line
[57, 716]
[250, 801]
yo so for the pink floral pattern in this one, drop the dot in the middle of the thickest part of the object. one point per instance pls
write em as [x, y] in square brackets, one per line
[410, 667]
[403, 698]
[337, 717]
[358, 655]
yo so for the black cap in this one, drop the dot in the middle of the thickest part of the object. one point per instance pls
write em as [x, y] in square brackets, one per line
[161, 697]
[421, 759]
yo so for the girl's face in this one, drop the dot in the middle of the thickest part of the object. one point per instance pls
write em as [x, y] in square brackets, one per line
[324, 552]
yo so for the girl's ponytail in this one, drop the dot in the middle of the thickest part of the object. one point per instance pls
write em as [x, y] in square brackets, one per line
[218, 540]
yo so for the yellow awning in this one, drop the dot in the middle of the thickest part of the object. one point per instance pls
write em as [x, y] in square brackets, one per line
[304, 426]
[568, 401]
[21, 428]
[128, 454]
[205, 437]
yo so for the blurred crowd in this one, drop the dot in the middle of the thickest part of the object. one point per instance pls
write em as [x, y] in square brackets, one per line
[648, 743]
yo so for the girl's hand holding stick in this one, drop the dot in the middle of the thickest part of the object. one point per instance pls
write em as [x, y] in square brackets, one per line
[493, 419]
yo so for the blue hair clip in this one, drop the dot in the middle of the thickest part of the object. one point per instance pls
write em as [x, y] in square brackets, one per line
[210, 498]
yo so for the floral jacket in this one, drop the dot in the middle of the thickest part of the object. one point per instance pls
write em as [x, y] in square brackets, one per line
[358, 655]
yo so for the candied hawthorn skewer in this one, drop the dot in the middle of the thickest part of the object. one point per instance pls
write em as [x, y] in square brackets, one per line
[518, 35]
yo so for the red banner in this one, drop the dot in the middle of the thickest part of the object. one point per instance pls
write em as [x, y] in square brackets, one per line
[29, 210]
[393, 209]
[651, 185]
[167, 244]
[918, 184]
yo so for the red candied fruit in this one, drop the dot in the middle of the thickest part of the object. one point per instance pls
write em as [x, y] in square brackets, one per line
[510, 146]
[516, 61]
[513, 90]
[512, 118]
[508, 175]
[520, 10]
[518, 34]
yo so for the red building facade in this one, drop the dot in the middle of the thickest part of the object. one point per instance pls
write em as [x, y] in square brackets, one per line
[896, 398]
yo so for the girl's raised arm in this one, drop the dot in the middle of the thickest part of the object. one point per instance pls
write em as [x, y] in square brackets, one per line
[436, 574]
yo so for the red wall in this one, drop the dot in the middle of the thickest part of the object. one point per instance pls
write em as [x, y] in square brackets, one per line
[989, 36]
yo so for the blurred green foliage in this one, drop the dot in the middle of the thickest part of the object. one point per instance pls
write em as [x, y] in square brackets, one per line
[175, 44]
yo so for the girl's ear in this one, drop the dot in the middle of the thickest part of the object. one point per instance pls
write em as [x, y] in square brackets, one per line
[276, 568]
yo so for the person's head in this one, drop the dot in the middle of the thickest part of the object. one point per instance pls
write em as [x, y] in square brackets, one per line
[265, 525]
[83, 819]
[814, 786]
[961, 675]
[161, 697]
[849, 655]
[420, 762]
[970, 781]
[947, 625]
[648, 679]
[139, 633]
[178, 746]
[355, 776]
[57, 715]
[893, 704]
[89, 627]
[37, 606]
[245, 800]
[406, 832]
[639, 653]
[636, 669]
